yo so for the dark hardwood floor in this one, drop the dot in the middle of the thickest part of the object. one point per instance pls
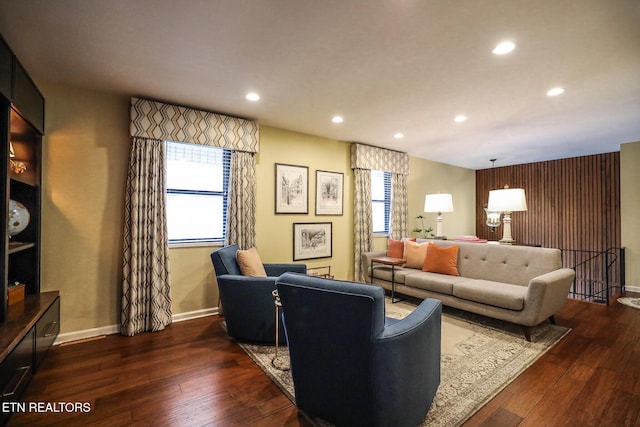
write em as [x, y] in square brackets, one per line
[192, 374]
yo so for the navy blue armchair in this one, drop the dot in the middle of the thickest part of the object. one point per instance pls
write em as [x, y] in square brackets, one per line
[351, 365]
[247, 302]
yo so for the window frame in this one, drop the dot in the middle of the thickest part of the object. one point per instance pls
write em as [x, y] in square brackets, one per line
[226, 171]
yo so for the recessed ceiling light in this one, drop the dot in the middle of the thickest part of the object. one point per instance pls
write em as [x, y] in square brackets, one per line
[503, 47]
[459, 118]
[252, 96]
[398, 135]
[555, 91]
[337, 119]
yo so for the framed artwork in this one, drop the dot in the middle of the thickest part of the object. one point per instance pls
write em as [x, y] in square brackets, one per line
[312, 240]
[292, 189]
[329, 199]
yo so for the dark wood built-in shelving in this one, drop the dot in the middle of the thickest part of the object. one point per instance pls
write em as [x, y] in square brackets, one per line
[30, 324]
[20, 246]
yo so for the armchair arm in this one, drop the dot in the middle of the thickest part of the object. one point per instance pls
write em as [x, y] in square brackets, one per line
[407, 362]
[274, 270]
[248, 306]
[245, 281]
[245, 293]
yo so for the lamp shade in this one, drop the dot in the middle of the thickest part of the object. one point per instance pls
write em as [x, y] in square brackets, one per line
[438, 203]
[507, 200]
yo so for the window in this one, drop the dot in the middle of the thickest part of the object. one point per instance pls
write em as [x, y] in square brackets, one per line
[197, 182]
[381, 201]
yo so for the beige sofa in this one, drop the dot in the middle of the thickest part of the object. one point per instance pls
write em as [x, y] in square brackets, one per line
[519, 284]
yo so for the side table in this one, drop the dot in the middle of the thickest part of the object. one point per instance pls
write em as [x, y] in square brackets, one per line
[278, 306]
[323, 271]
[387, 260]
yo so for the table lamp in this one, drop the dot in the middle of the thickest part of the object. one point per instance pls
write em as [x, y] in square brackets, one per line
[438, 203]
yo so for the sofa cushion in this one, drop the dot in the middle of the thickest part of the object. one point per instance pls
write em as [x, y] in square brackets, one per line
[383, 272]
[415, 253]
[250, 263]
[496, 294]
[441, 260]
[435, 282]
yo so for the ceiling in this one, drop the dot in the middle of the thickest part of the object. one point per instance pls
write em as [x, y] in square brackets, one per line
[386, 66]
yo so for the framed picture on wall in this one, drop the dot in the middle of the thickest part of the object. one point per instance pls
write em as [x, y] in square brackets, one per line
[329, 198]
[292, 189]
[312, 240]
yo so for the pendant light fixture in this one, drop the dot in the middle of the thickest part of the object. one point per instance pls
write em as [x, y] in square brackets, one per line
[493, 217]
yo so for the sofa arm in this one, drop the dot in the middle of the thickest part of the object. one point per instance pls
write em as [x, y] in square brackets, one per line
[275, 270]
[365, 262]
[547, 293]
[407, 361]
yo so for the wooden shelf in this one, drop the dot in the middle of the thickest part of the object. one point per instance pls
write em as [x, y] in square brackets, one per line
[20, 246]
[29, 325]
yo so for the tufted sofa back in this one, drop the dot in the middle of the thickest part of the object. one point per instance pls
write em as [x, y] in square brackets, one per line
[503, 263]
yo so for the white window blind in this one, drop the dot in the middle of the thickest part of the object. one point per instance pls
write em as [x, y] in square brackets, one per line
[381, 201]
[197, 183]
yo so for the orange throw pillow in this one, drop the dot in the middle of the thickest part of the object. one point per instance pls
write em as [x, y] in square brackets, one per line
[415, 254]
[395, 248]
[442, 260]
[250, 263]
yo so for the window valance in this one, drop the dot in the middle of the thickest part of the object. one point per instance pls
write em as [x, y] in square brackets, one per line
[156, 120]
[376, 158]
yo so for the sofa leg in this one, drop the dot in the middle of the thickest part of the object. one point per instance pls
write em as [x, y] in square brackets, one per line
[552, 319]
[527, 333]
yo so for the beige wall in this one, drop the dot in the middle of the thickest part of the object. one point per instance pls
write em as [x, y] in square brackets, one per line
[630, 209]
[274, 233]
[85, 156]
[428, 177]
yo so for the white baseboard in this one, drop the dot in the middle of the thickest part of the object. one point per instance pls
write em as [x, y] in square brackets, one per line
[87, 334]
[115, 329]
[194, 314]
[632, 289]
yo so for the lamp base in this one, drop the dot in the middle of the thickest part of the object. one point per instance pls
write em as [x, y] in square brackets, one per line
[507, 242]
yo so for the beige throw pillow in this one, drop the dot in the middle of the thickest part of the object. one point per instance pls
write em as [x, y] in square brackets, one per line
[250, 263]
[415, 254]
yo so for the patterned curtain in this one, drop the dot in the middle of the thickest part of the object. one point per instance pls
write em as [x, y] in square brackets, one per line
[168, 122]
[362, 219]
[241, 210]
[399, 203]
[146, 301]
[364, 159]
[146, 298]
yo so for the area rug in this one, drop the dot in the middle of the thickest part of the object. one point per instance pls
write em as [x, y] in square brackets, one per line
[480, 357]
[630, 302]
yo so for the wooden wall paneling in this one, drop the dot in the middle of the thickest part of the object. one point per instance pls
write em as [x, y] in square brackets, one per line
[572, 203]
